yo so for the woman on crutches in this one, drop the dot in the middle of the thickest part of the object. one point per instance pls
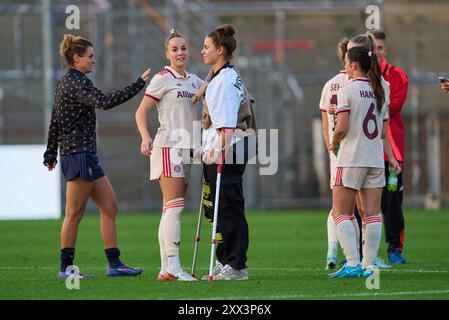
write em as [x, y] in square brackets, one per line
[224, 94]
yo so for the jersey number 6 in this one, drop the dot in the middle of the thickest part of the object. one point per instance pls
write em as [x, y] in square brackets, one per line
[370, 116]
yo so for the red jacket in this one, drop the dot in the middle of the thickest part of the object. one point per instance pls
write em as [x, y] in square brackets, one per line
[398, 81]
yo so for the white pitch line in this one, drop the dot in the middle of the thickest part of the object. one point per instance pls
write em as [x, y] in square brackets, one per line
[397, 293]
[414, 270]
[336, 295]
[324, 271]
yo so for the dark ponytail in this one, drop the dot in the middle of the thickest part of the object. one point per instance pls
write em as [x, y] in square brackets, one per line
[224, 37]
[367, 61]
[367, 41]
[374, 74]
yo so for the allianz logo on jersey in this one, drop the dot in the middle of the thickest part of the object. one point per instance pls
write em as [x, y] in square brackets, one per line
[184, 94]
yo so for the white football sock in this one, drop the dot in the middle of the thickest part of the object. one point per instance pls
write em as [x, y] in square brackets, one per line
[332, 238]
[171, 231]
[174, 265]
[346, 236]
[373, 235]
[164, 261]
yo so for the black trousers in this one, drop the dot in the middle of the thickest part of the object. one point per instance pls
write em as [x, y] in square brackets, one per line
[393, 215]
[359, 220]
[231, 221]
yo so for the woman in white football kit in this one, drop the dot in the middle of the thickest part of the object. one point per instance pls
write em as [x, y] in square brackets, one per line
[357, 142]
[367, 40]
[328, 106]
[171, 91]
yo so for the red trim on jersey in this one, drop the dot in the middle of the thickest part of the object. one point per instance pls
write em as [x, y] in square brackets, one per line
[343, 71]
[341, 218]
[171, 73]
[342, 111]
[163, 72]
[168, 162]
[177, 204]
[338, 177]
[166, 167]
[373, 219]
[323, 110]
[173, 202]
[361, 79]
[163, 162]
[149, 95]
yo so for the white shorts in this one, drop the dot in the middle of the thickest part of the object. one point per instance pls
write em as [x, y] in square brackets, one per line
[170, 163]
[359, 177]
[333, 171]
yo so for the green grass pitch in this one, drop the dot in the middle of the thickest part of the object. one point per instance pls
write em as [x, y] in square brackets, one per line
[286, 260]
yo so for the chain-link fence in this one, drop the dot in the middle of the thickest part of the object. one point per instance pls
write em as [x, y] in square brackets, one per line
[286, 52]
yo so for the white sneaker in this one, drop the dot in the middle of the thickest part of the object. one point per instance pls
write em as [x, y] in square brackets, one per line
[217, 269]
[380, 263]
[229, 273]
[179, 275]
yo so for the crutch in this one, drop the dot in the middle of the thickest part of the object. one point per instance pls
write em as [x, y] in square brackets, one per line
[198, 231]
[214, 227]
[216, 204]
[200, 214]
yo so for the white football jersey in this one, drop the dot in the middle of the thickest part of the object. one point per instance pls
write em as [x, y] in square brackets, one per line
[362, 146]
[176, 113]
[329, 97]
[224, 94]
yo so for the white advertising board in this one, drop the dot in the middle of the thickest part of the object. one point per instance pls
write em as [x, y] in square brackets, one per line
[27, 189]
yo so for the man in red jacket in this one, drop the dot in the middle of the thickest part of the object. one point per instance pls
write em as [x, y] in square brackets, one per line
[392, 201]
